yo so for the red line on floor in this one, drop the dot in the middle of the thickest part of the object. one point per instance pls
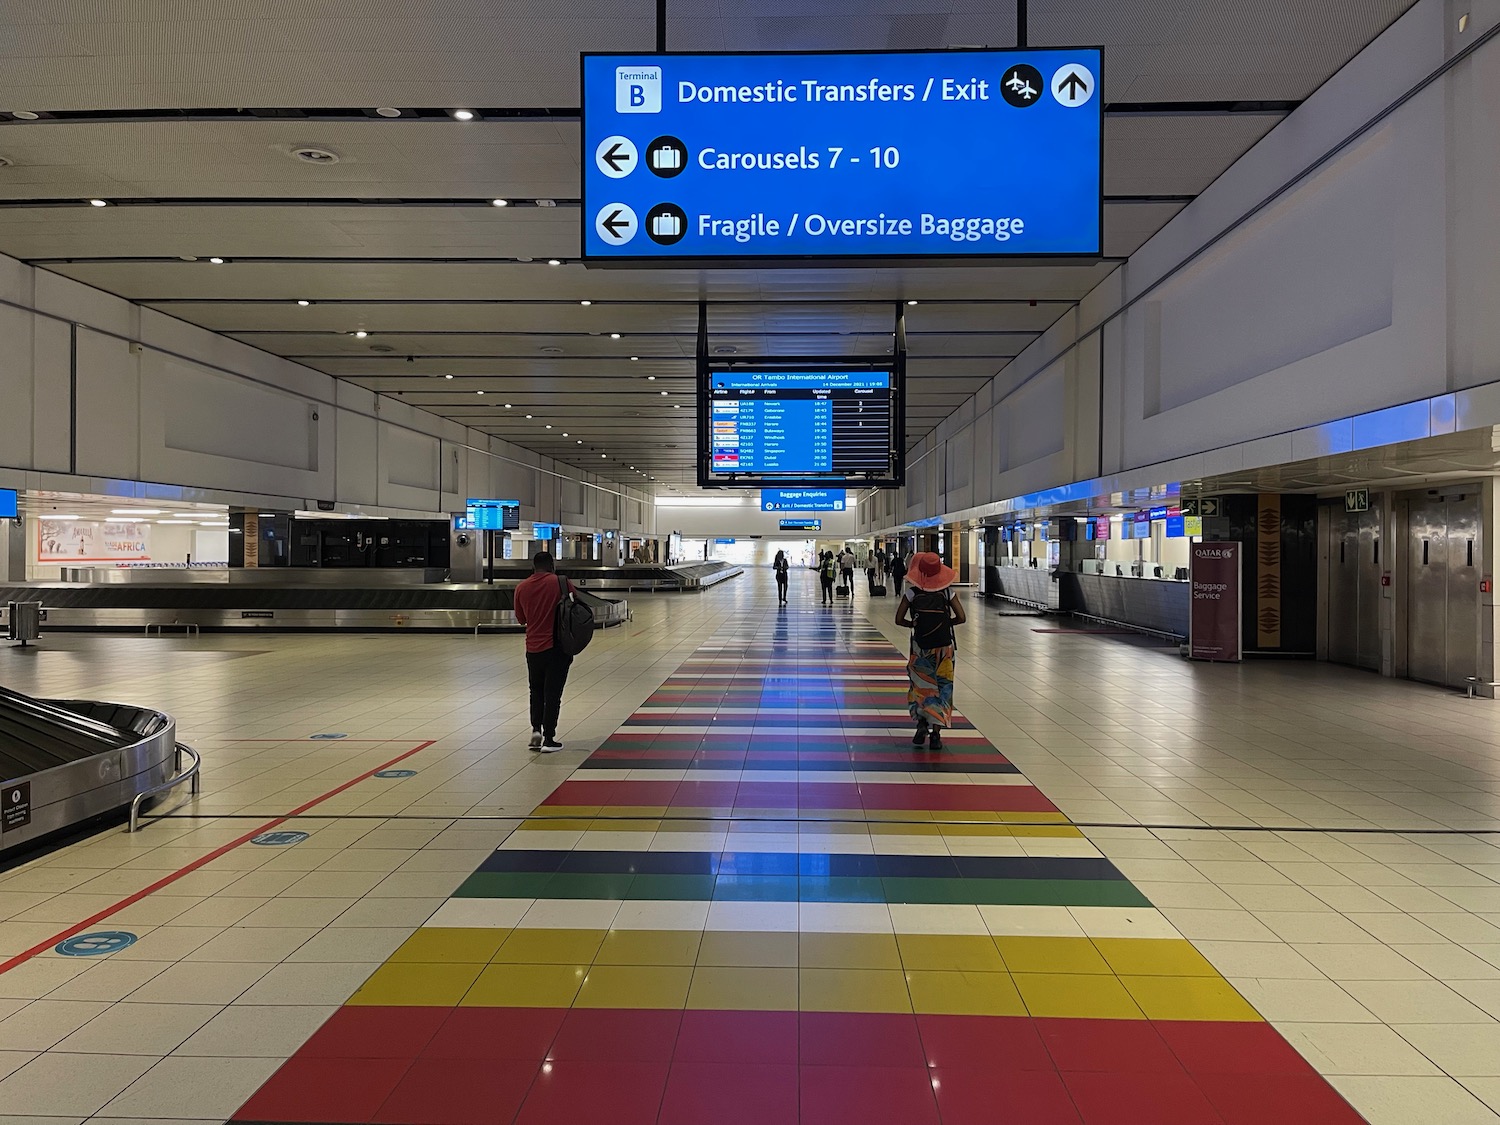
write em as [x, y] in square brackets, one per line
[167, 880]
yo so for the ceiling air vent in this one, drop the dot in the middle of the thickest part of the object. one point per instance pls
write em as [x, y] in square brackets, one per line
[311, 154]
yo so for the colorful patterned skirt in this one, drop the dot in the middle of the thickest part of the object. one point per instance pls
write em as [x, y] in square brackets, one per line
[930, 696]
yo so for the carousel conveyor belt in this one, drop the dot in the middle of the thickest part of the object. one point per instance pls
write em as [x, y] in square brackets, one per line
[288, 607]
[64, 763]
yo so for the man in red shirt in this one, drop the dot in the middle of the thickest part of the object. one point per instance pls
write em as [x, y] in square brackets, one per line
[535, 601]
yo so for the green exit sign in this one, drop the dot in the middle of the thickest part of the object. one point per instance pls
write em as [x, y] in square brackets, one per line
[1357, 500]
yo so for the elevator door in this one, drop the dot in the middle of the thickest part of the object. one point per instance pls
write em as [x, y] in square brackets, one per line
[1442, 603]
[1353, 584]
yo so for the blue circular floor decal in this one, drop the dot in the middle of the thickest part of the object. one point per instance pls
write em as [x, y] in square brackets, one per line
[395, 773]
[329, 736]
[279, 839]
[92, 945]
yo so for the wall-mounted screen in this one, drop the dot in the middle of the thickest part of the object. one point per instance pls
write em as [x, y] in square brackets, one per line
[799, 426]
[9, 504]
[494, 515]
[855, 155]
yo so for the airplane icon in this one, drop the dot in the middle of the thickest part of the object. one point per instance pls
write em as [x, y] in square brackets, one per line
[1020, 86]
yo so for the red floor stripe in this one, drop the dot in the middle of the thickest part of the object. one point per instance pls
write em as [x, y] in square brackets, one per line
[167, 880]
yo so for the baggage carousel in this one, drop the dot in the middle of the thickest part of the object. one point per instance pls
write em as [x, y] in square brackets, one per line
[67, 762]
[355, 599]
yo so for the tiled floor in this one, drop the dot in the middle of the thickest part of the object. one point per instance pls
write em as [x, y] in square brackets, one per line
[754, 901]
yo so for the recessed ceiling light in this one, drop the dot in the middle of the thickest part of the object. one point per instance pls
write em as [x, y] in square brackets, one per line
[361, 334]
[554, 261]
[546, 203]
[304, 304]
[24, 115]
[387, 111]
[911, 302]
[637, 359]
[98, 203]
[585, 303]
[677, 406]
[604, 456]
[447, 376]
[664, 394]
[650, 378]
[580, 442]
[479, 392]
[463, 115]
[499, 203]
[614, 335]
[549, 425]
[565, 433]
[217, 261]
[187, 257]
[528, 417]
[507, 406]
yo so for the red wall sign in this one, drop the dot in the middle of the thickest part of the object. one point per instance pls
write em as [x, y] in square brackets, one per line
[1214, 625]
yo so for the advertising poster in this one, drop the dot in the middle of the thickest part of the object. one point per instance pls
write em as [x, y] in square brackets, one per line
[1214, 621]
[75, 541]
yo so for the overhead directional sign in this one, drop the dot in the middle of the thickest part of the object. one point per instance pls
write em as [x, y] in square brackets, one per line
[801, 525]
[860, 156]
[802, 499]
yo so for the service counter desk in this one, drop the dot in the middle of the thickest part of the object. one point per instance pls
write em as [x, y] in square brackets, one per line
[1155, 605]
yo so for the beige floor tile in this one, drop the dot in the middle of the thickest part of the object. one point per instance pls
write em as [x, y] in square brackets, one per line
[66, 1084]
[1356, 1048]
[1403, 1100]
[257, 1030]
[1415, 1001]
[139, 1029]
[1460, 1049]
[1301, 1001]
[180, 1087]
[42, 1024]
[202, 982]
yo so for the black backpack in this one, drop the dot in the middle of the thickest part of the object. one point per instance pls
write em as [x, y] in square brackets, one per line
[574, 627]
[932, 623]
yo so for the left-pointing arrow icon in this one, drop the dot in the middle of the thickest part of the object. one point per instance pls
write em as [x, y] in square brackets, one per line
[615, 224]
[616, 156]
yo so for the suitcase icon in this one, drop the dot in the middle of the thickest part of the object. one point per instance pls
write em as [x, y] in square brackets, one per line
[666, 226]
[666, 158]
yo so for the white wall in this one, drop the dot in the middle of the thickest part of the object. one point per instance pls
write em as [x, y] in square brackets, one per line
[1346, 265]
[169, 410]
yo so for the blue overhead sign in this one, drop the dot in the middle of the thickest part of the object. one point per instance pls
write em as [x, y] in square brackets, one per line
[855, 155]
[802, 499]
[9, 503]
[801, 525]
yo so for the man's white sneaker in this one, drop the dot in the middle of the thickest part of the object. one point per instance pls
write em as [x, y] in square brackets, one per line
[551, 746]
[536, 740]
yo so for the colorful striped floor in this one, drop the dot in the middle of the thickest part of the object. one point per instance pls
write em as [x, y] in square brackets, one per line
[757, 903]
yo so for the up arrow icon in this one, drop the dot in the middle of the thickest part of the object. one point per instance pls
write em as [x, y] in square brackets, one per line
[1073, 85]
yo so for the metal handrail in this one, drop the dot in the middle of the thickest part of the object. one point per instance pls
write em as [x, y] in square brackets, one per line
[191, 773]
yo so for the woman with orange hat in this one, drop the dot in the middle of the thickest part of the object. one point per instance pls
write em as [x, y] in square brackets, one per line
[930, 609]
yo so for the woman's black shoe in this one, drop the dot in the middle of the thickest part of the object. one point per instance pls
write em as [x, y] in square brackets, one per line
[936, 742]
[921, 735]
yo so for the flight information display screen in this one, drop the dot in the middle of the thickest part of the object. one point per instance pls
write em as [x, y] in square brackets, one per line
[784, 425]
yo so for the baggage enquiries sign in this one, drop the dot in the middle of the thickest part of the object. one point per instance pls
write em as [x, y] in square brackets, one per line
[863, 155]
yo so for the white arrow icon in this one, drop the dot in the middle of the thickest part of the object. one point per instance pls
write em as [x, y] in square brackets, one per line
[615, 224]
[1073, 85]
[616, 157]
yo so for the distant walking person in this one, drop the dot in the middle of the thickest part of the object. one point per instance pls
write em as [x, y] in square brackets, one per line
[783, 569]
[846, 571]
[828, 572]
[535, 601]
[930, 609]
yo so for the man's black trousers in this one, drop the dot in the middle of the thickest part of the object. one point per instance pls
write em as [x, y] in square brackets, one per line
[548, 673]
